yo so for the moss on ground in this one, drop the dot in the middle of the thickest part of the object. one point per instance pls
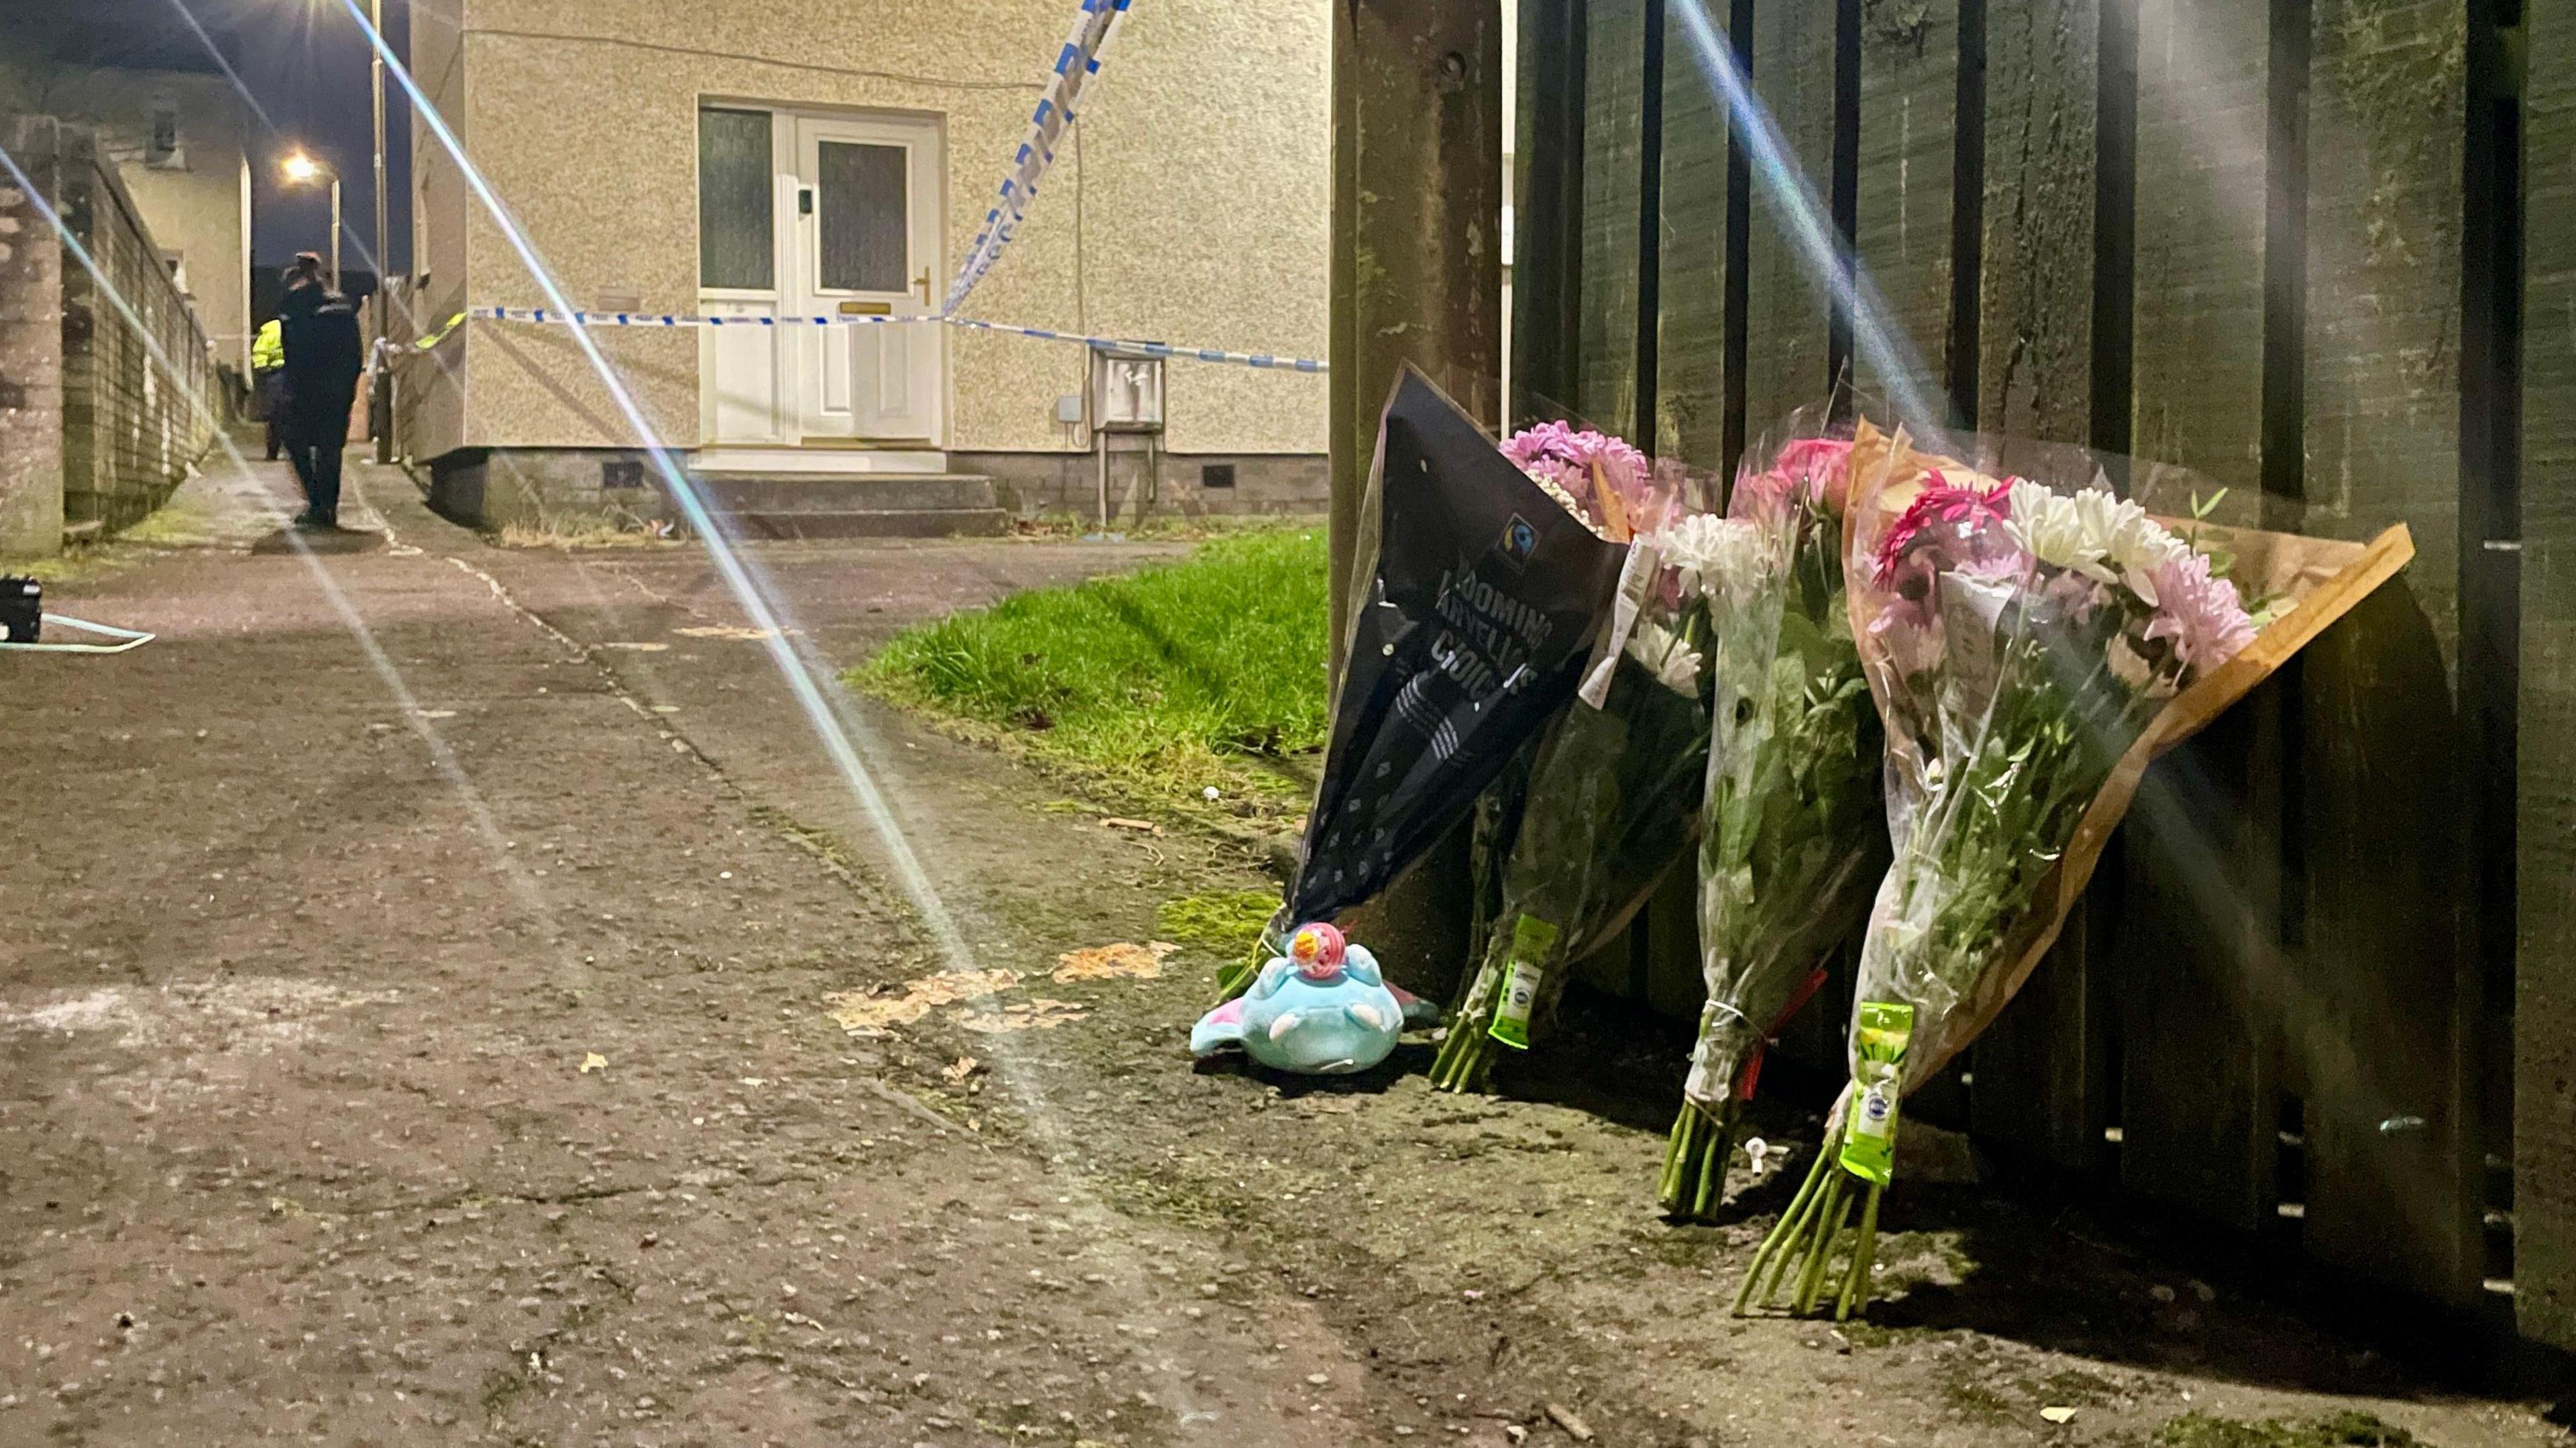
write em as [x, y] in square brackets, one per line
[1223, 923]
[2347, 1429]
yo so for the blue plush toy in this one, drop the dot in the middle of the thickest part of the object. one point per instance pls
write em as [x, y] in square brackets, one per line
[1321, 1009]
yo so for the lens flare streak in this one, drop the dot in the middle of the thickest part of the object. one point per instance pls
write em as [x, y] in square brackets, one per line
[1805, 223]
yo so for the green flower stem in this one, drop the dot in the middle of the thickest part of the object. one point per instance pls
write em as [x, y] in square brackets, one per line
[1762, 1278]
[1695, 1160]
[1856, 1288]
[1821, 1249]
[1466, 1055]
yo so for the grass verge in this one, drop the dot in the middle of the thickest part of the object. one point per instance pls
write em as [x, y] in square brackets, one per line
[1147, 689]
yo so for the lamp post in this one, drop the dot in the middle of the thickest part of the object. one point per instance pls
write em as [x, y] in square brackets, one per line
[300, 169]
[382, 394]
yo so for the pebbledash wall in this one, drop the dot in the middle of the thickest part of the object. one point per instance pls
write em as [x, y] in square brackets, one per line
[1199, 184]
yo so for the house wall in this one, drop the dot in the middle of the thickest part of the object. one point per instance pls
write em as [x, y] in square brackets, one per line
[194, 202]
[1201, 182]
[431, 417]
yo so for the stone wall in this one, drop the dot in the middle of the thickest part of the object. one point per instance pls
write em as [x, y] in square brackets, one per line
[127, 430]
[31, 378]
[1190, 484]
[574, 489]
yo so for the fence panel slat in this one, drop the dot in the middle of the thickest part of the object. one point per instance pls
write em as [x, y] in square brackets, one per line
[1690, 392]
[1614, 56]
[2544, 1042]
[1909, 81]
[2038, 1067]
[2194, 1078]
[1785, 321]
[2385, 998]
[1785, 329]
[2035, 365]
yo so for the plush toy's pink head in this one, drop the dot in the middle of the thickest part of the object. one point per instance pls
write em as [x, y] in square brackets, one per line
[1317, 949]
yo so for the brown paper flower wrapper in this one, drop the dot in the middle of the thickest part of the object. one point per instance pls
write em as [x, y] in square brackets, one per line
[2318, 581]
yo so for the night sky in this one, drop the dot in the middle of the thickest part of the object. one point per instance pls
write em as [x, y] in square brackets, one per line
[304, 63]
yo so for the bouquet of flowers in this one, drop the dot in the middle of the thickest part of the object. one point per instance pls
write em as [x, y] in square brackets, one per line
[1792, 839]
[1613, 792]
[1476, 601]
[2030, 646]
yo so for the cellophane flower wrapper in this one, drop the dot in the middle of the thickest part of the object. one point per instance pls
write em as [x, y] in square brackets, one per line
[2020, 635]
[1611, 798]
[2031, 643]
[1475, 602]
[1793, 837]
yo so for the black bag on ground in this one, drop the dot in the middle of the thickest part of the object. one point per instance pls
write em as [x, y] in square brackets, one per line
[22, 610]
[1479, 598]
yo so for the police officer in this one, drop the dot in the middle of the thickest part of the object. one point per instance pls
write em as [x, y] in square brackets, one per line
[268, 382]
[323, 359]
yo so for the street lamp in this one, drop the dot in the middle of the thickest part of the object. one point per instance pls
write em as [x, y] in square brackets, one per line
[300, 169]
[382, 395]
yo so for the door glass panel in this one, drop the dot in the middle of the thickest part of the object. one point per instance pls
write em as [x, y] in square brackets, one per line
[862, 220]
[735, 211]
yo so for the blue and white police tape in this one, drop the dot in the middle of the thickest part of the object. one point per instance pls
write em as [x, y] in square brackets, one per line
[547, 316]
[1148, 349]
[1075, 63]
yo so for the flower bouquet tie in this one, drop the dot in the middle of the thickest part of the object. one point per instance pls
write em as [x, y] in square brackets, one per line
[2031, 646]
[1792, 839]
[1612, 796]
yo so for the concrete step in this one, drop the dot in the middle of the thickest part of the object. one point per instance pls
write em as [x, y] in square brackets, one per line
[766, 493]
[874, 523]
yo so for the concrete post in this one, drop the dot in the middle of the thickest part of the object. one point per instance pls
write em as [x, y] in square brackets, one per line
[31, 359]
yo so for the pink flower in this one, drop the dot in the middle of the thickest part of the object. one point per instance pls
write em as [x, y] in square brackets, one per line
[1761, 496]
[1809, 472]
[1556, 453]
[1946, 527]
[2202, 615]
[1823, 464]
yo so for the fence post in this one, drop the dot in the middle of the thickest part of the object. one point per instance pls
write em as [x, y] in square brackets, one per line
[1416, 278]
[31, 357]
[2544, 1034]
[1417, 203]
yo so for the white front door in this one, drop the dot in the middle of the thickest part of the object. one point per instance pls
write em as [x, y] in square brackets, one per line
[863, 241]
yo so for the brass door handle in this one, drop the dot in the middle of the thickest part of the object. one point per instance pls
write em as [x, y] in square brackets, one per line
[923, 281]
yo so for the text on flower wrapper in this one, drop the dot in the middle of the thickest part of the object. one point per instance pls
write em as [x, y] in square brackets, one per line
[1486, 633]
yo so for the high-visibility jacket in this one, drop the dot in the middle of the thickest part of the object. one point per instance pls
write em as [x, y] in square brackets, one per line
[268, 349]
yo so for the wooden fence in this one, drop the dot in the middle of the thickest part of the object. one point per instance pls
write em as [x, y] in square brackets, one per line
[2277, 241]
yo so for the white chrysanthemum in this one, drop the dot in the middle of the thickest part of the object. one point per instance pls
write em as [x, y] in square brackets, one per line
[2094, 532]
[2139, 546]
[2056, 530]
[1661, 650]
[1715, 555]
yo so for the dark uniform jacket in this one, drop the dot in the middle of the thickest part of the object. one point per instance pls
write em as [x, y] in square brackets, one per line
[324, 354]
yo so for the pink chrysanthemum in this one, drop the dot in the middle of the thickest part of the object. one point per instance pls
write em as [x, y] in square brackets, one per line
[1557, 453]
[2202, 615]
